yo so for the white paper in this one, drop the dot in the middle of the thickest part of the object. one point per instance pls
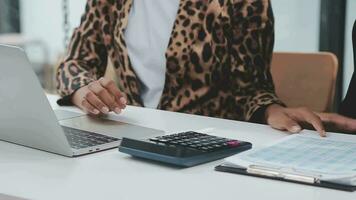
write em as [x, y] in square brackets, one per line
[332, 158]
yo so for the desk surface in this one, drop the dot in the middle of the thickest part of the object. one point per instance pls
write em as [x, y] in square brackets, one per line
[34, 174]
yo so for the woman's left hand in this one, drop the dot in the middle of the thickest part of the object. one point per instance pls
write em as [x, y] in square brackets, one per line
[294, 119]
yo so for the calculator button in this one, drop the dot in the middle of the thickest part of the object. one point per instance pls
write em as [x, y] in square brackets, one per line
[224, 145]
[233, 143]
[204, 148]
[196, 140]
[154, 139]
[210, 148]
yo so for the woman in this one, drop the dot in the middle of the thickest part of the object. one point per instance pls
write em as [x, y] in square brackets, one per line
[348, 106]
[214, 61]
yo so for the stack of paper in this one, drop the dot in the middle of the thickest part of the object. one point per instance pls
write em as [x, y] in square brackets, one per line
[330, 159]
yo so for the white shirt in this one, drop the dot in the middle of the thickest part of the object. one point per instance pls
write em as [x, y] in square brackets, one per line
[147, 35]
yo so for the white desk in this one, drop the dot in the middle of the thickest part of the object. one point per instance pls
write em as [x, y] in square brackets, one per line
[35, 174]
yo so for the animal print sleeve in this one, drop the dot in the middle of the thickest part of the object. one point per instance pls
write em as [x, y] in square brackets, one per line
[86, 58]
[253, 26]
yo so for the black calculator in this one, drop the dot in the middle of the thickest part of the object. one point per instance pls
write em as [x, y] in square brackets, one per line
[183, 149]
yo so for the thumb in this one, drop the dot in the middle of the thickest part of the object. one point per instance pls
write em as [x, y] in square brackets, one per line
[291, 125]
[284, 122]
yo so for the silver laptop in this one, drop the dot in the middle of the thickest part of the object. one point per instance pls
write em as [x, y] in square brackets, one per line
[26, 117]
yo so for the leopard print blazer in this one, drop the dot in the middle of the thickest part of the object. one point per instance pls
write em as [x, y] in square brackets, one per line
[218, 56]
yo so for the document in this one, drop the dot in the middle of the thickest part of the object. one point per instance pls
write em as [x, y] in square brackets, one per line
[330, 159]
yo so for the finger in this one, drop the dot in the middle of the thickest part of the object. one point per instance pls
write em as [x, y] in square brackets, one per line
[111, 87]
[341, 123]
[329, 123]
[350, 124]
[308, 116]
[290, 125]
[284, 123]
[104, 96]
[89, 108]
[96, 102]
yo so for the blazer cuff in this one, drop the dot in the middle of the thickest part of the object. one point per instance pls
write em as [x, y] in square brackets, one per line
[259, 116]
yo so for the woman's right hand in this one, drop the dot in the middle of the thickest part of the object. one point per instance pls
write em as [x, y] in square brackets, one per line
[100, 97]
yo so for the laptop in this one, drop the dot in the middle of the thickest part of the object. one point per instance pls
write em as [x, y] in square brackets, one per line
[27, 119]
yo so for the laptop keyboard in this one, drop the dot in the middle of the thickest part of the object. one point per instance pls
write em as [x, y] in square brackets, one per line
[79, 139]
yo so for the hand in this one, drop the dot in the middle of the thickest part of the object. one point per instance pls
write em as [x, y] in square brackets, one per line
[338, 123]
[291, 119]
[101, 96]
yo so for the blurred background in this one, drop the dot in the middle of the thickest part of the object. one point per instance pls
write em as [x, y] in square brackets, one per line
[42, 28]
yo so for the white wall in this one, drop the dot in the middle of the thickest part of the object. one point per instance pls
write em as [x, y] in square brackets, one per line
[348, 59]
[297, 23]
[43, 19]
